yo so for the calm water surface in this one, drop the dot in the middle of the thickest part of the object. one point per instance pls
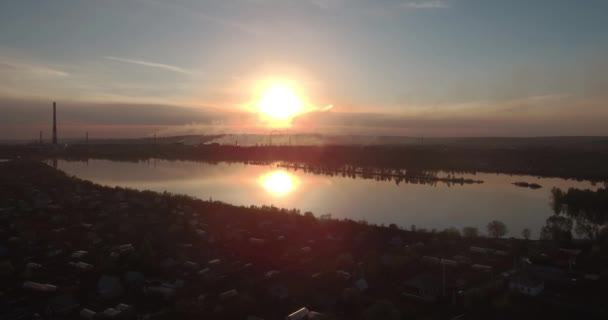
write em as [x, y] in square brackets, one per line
[436, 206]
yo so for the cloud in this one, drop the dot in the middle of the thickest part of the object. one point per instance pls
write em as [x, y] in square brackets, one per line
[31, 69]
[150, 64]
[428, 4]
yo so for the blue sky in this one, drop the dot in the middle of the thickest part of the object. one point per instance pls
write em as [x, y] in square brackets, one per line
[433, 67]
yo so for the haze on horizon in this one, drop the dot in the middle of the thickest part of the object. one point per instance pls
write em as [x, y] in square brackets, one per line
[126, 68]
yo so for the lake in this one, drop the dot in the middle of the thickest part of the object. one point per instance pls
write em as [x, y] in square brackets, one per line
[430, 206]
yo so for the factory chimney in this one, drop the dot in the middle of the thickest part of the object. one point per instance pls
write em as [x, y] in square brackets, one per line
[54, 124]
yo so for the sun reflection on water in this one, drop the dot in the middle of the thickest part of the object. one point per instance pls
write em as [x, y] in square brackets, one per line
[279, 182]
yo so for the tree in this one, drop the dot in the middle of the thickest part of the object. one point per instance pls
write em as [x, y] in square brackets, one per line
[557, 228]
[470, 232]
[557, 198]
[452, 232]
[526, 233]
[382, 310]
[496, 229]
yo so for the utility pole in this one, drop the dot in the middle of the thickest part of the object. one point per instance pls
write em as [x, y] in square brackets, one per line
[40, 139]
[86, 138]
[54, 124]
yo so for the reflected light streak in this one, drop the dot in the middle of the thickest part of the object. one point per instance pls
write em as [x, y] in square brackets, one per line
[279, 182]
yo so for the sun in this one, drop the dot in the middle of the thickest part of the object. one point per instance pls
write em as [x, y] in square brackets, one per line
[280, 103]
[279, 182]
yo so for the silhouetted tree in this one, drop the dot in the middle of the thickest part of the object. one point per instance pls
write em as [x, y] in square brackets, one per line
[452, 232]
[496, 229]
[526, 233]
[557, 228]
[470, 232]
[556, 200]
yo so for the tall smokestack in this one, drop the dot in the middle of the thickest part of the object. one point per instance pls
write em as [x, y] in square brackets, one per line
[54, 124]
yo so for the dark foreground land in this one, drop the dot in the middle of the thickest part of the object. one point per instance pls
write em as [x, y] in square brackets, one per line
[585, 160]
[70, 249]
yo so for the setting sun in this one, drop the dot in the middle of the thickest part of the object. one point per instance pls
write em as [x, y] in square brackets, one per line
[279, 182]
[280, 103]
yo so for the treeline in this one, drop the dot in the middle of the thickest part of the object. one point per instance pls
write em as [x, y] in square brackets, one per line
[584, 211]
[576, 201]
[582, 164]
[382, 174]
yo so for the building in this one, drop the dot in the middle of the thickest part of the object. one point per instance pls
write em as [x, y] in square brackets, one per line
[526, 285]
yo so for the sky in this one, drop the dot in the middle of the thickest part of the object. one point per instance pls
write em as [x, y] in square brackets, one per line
[128, 68]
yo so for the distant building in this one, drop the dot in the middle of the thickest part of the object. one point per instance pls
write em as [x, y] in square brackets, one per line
[425, 286]
[35, 286]
[526, 285]
[298, 315]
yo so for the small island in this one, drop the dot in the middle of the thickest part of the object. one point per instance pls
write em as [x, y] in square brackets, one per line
[527, 185]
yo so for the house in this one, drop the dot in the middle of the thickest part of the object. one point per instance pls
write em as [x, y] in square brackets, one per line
[425, 286]
[124, 248]
[481, 267]
[33, 265]
[430, 261]
[228, 294]
[257, 241]
[343, 274]
[449, 263]
[111, 313]
[300, 314]
[88, 314]
[79, 254]
[35, 286]
[526, 285]
[82, 266]
[271, 273]
[164, 292]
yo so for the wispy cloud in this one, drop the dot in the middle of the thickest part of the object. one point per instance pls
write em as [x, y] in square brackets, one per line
[32, 69]
[167, 67]
[427, 4]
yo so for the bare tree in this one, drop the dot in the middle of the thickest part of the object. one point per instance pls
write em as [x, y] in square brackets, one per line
[496, 229]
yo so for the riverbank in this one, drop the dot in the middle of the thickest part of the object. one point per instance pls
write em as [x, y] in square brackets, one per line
[568, 163]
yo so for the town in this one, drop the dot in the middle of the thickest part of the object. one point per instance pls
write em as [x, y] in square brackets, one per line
[71, 249]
